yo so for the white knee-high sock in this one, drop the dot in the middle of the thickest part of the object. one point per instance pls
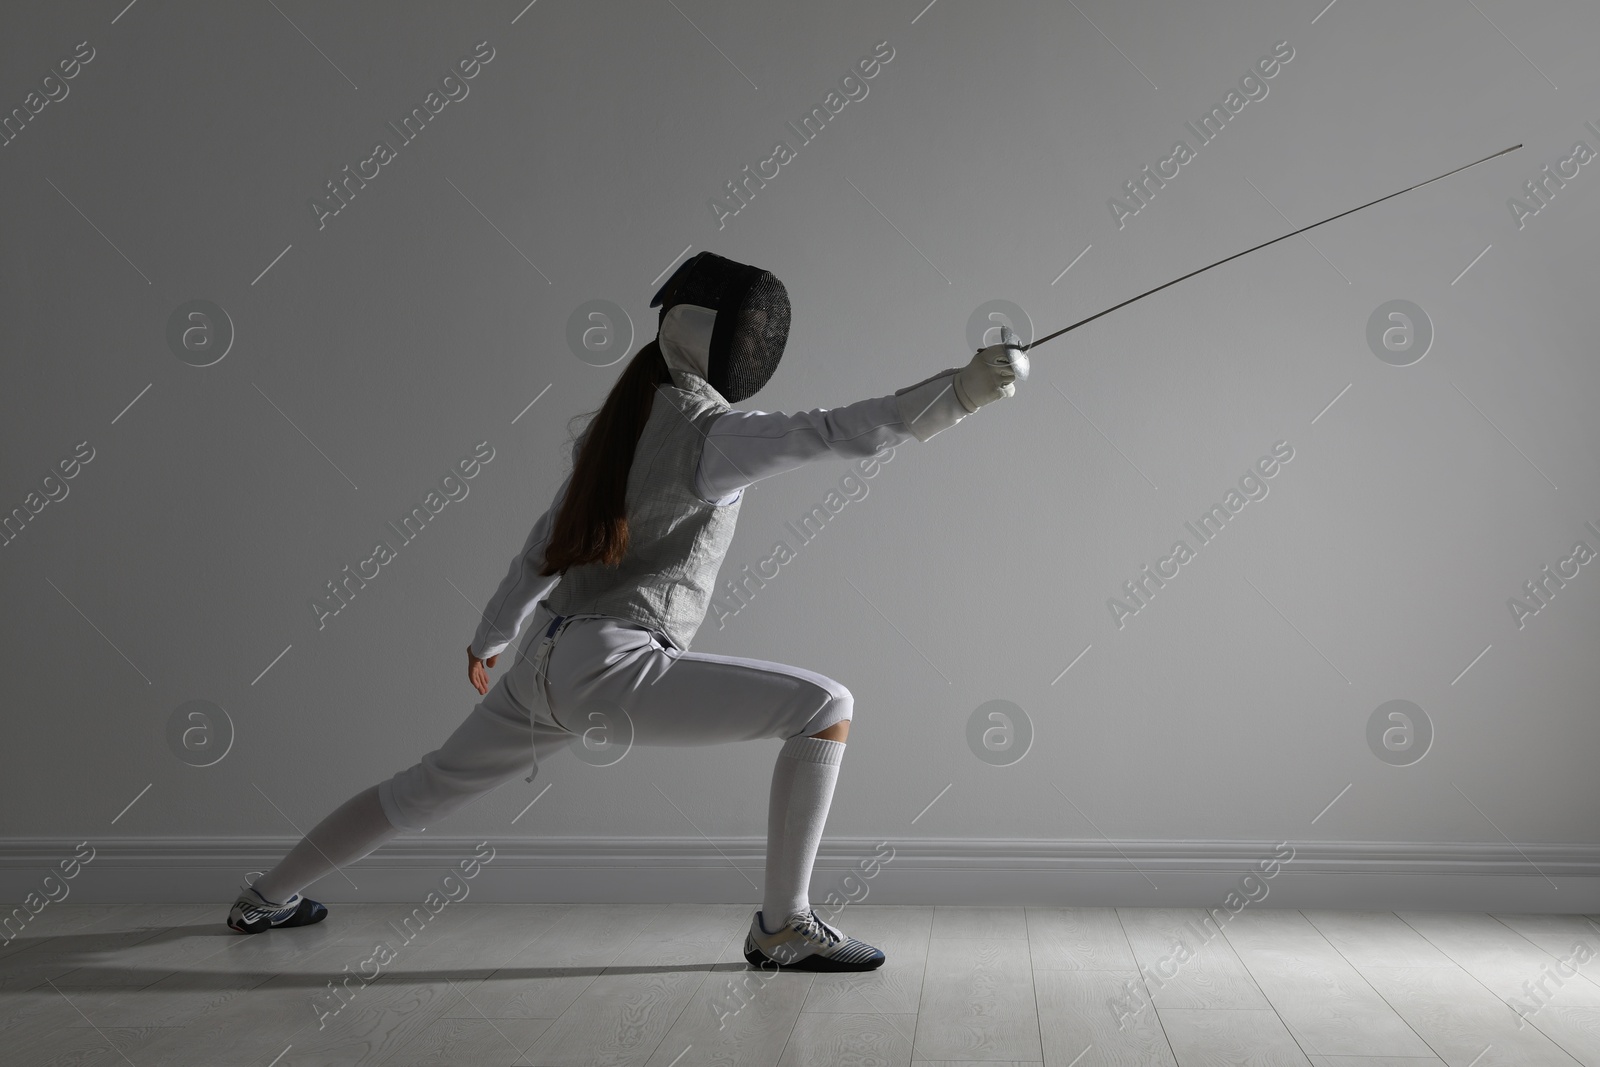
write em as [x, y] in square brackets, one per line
[802, 791]
[354, 829]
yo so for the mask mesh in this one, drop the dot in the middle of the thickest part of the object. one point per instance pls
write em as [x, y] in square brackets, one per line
[760, 331]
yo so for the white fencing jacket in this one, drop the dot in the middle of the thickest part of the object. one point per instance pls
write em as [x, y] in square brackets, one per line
[741, 448]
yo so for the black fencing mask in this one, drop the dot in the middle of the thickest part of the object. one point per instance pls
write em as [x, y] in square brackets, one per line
[725, 321]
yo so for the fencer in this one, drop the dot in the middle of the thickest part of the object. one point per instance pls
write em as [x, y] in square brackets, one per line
[614, 580]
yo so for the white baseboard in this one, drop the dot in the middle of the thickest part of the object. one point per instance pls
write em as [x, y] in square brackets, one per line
[1148, 873]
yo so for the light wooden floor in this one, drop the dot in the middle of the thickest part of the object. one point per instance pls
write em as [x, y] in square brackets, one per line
[554, 985]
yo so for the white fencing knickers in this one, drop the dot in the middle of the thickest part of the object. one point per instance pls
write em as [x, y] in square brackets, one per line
[609, 682]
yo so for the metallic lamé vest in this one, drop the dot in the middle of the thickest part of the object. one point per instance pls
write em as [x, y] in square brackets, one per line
[676, 541]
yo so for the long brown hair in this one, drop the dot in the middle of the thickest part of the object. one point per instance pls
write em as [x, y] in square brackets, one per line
[592, 525]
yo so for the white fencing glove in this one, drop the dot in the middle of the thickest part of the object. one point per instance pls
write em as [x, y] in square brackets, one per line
[939, 402]
[993, 372]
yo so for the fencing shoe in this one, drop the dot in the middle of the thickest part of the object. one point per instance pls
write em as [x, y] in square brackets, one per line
[253, 913]
[806, 943]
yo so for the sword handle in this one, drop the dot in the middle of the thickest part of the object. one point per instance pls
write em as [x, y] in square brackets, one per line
[1014, 356]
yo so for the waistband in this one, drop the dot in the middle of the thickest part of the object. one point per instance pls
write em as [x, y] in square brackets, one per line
[557, 622]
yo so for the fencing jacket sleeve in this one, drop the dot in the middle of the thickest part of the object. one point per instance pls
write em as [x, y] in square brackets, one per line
[521, 589]
[743, 447]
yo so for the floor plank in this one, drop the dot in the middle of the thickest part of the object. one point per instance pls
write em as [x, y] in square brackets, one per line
[977, 1002]
[1376, 939]
[1186, 961]
[618, 1020]
[486, 1042]
[1094, 1011]
[1078, 939]
[879, 1040]
[980, 922]
[1236, 1038]
[1461, 1020]
[737, 1016]
[1375, 1061]
[1323, 1001]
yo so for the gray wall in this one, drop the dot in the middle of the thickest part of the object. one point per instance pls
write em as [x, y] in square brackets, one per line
[371, 353]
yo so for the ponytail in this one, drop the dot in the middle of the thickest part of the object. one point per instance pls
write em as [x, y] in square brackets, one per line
[592, 525]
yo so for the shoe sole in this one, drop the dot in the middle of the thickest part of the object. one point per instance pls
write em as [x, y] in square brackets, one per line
[758, 959]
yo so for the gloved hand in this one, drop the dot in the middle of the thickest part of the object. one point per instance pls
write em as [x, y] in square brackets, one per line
[993, 372]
